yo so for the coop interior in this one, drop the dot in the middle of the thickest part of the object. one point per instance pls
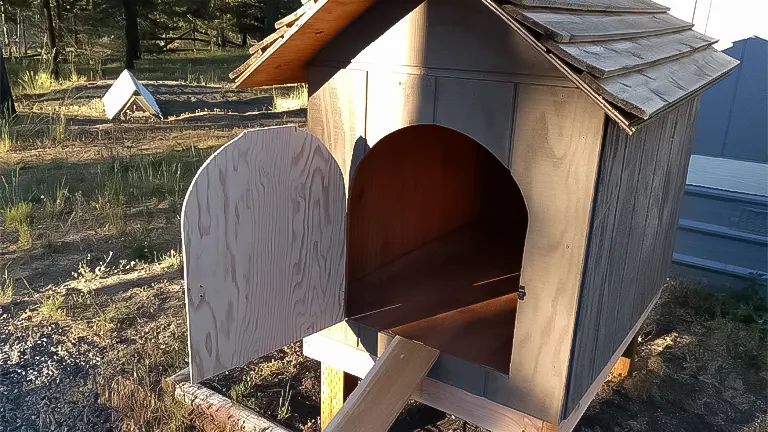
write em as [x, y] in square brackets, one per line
[436, 231]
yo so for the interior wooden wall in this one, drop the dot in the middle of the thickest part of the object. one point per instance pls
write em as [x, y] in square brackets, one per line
[417, 185]
[635, 216]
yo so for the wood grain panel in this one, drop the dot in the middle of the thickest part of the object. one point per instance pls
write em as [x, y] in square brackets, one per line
[572, 26]
[597, 5]
[554, 160]
[480, 109]
[398, 100]
[629, 254]
[608, 58]
[382, 394]
[264, 247]
[651, 90]
[336, 114]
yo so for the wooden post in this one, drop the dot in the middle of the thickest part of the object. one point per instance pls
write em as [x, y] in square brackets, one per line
[623, 365]
[335, 387]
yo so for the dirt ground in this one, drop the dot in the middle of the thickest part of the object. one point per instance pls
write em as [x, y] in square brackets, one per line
[92, 303]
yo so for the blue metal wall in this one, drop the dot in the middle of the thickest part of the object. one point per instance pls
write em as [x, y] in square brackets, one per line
[723, 235]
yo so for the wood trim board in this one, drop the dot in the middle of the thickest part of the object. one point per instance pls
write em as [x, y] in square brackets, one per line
[472, 408]
[382, 394]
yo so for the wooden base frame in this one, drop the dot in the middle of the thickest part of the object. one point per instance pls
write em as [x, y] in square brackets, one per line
[472, 408]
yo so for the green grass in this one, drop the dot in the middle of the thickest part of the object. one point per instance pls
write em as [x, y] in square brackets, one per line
[17, 218]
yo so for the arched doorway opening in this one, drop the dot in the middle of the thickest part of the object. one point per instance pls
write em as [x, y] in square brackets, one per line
[435, 236]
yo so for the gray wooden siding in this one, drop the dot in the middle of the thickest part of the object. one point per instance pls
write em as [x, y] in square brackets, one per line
[637, 201]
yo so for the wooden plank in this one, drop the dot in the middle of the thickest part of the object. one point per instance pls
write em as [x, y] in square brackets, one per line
[572, 419]
[609, 58]
[573, 26]
[649, 91]
[295, 15]
[285, 61]
[336, 114]
[335, 387]
[619, 246]
[650, 279]
[555, 150]
[482, 110]
[382, 394]
[447, 398]
[264, 247]
[674, 195]
[605, 204]
[267, 41]
[650, 138]
[597, 5]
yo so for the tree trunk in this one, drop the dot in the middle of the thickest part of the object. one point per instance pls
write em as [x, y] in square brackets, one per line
[244, 40]
[55, 72]
[271, 16]
[132, 43]
[5, 29]
[7, 108]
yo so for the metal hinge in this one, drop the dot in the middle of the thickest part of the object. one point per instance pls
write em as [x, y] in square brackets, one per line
[521, 292]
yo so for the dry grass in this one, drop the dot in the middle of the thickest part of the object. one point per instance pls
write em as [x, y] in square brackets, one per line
[701, 364]
[6, 288]
[291, 98]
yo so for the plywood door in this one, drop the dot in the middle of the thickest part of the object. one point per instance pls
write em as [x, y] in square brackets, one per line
[264, 247]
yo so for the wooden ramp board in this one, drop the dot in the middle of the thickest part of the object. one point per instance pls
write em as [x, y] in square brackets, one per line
[646, 92]
[264, 247]
[573, 26]
[604, 59]
[382, 394]
[597, 5]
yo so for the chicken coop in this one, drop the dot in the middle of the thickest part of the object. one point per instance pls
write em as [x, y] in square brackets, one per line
[497, 180]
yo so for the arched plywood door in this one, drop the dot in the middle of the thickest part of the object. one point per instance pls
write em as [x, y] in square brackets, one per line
[264, 247]
[436, 232]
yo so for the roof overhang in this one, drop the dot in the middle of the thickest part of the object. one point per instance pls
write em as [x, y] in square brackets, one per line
[629, 56]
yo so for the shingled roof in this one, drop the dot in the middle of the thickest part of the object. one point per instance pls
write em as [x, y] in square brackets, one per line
[630, 56]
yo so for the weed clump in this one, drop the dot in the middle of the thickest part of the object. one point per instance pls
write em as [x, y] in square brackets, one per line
[17, 217]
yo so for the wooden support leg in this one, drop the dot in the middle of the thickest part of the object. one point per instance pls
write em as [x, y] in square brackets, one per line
[382, 394]
[335, 387]
[622, 367]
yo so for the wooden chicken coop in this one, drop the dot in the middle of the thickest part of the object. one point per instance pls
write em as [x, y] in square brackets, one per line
[499, 181]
